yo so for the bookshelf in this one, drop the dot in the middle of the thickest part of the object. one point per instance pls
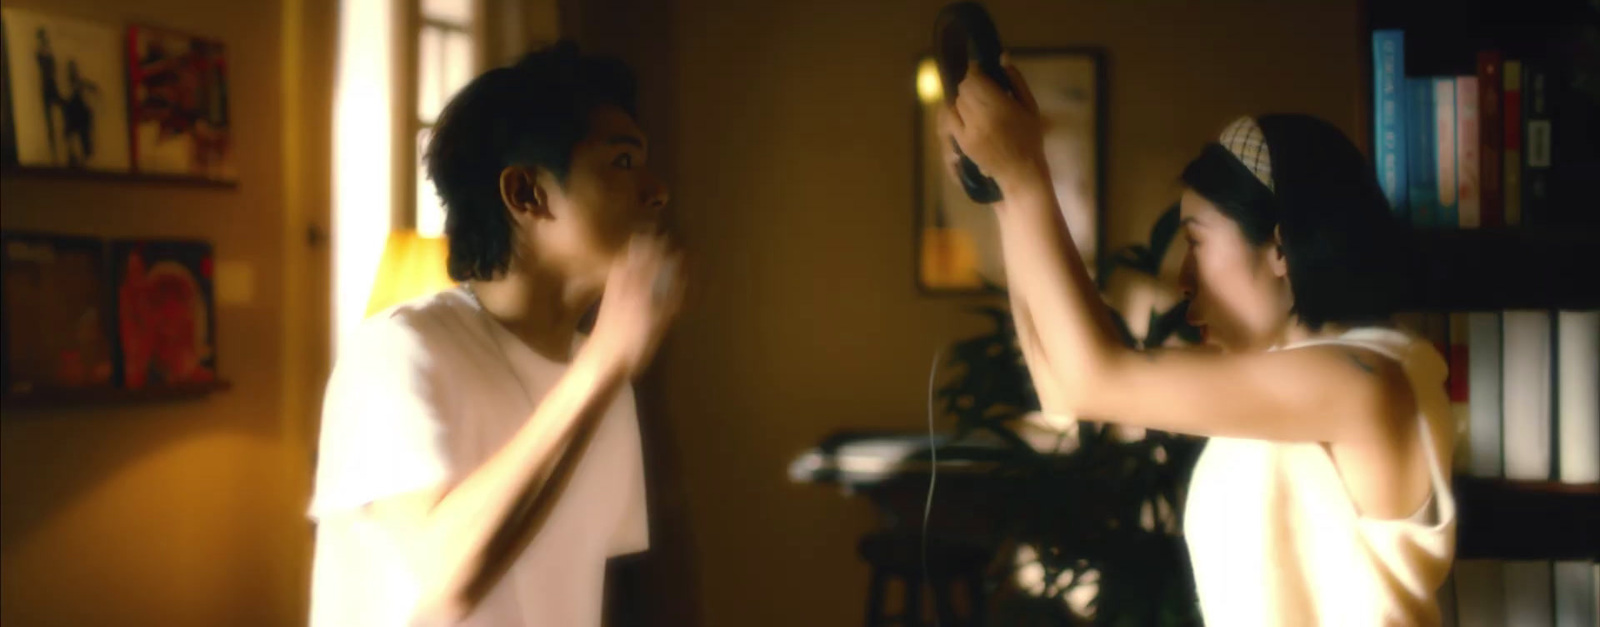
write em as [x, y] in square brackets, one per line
[101, 397]
[178, 180]
[1546, 262]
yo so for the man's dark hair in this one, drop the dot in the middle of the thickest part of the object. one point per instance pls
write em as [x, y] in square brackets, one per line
[529, 114]
[1345, 250]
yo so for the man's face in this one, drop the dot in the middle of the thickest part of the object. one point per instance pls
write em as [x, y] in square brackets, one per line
[609, 195]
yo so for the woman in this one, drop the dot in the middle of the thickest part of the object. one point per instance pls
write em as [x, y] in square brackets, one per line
[1322, 496]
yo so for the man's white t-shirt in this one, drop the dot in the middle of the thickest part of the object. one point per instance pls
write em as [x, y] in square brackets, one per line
[422, 395]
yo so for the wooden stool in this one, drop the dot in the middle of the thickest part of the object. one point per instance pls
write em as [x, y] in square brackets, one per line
[898, 556]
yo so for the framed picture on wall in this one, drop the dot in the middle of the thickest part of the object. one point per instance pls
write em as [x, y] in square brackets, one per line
[957, 248]
[56, 327]
[166, 322]
[66, 98]
[178, 94]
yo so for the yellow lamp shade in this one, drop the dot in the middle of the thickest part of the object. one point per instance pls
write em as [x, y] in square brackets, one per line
[949, 259]
[412, 266]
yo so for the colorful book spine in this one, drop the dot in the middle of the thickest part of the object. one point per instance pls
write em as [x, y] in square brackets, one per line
[1389, 117]
[1511, 162]
[1491, 130]
[1467, 165]
[1536, 144]
[1422, 175]
[1444, 156]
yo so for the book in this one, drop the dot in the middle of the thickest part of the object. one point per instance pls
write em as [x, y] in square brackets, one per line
[1574, 142]
[1578, 396]
[1491, 129]
[1528, 593]
[1484, 423]
[1511, 160]
[1525, 394]
[1389, 117]
[1575, 594]
[1467, 165]
[1578, 452]
[1536, 144]
[1421, 172]
[1444, 155]
[1480, 593]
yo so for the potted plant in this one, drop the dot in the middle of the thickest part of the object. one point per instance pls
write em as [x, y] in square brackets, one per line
[1089, 528]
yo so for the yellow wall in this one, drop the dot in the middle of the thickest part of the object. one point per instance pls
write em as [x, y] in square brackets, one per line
[790, 146]
[187, 513]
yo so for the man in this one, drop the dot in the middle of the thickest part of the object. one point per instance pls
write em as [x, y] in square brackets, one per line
[479, 463]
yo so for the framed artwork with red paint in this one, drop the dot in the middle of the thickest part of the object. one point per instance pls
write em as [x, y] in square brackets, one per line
[178, 105]
[166, 322]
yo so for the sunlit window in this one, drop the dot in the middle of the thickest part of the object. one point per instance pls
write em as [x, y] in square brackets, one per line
[444, 64]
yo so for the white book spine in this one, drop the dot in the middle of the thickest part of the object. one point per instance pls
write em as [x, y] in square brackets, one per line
[1526, 395]
[1483, 353]
[1578, 395]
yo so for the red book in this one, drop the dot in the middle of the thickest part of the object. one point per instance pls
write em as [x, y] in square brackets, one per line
[1490, 128]
[1459, 362]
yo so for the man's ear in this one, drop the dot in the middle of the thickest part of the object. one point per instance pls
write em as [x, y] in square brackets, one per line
[1276, 259]
[522, 194]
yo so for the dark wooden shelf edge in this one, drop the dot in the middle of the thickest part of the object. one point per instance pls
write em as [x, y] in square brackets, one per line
[1500, 269]
[128, 177]
[1527, 520]
[54, 399]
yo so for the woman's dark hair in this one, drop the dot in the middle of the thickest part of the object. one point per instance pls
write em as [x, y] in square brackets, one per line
[529, 114]
[1343, 245]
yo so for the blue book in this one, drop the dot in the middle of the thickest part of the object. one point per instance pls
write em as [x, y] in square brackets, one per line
[1422, 171]
[1389, 117]
[1445, 215]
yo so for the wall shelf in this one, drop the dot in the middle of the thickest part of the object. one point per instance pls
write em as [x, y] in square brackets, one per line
[101, 397]
[179, 180]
